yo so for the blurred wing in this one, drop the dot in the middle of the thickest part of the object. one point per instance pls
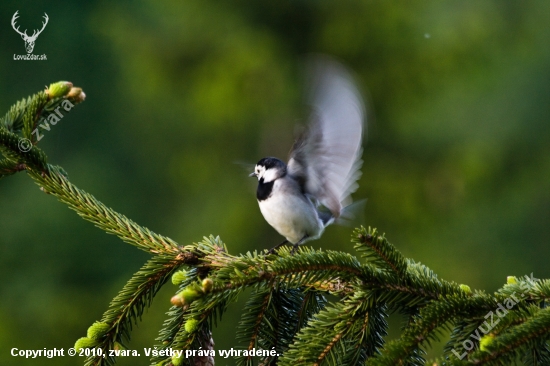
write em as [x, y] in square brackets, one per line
[327, 157]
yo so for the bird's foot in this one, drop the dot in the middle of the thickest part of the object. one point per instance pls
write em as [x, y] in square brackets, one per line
[274, 249]
[295, 246]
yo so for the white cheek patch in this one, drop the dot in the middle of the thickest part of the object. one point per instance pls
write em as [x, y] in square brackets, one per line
[269, 175]
[260, 171]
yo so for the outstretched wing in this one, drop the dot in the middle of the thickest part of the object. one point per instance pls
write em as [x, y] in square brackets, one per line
[326, 158]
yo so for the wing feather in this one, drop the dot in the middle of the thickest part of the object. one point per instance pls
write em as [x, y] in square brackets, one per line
[326, 158]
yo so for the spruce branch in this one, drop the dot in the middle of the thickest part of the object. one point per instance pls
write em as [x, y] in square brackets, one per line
[252, 319]
[515, 341]
[378, 250]
[175, 320]
[105, 218]
[287, 313]
[32, 112]
[20, 152]
[13, 119]
[11, 146]
[341, 333]
[281, 315]
[8, 167]
[421, 329]
[195, 321]
[128, 306]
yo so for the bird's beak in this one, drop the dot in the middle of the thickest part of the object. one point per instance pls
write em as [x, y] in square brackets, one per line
[253, 174]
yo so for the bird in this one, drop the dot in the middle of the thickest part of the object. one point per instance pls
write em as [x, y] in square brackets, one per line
[300, 198]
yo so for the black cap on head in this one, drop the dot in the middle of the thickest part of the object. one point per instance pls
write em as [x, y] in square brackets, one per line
[270, 162]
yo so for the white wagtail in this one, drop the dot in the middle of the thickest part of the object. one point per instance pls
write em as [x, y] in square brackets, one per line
[324, 162]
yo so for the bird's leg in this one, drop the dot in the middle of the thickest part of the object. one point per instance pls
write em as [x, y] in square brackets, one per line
[295, 246]
[274, 249]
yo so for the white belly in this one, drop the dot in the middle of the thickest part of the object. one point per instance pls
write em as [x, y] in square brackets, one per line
[293, 217]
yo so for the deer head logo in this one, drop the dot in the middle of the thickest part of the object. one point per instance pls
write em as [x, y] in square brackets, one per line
[29, 40]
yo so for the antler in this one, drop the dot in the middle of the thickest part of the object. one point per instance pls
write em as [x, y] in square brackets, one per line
[34, 35]
[24, 34]
[13, 19]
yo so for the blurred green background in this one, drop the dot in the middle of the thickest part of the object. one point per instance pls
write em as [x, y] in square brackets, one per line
[457, 158]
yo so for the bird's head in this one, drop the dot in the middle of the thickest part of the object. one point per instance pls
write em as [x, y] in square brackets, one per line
[269, 169]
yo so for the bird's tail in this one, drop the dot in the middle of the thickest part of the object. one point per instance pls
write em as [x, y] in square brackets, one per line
[353, 214]
[326, 217]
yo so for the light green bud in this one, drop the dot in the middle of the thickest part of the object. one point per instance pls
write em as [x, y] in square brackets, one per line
[466, 289]
[486, 341]
[85, 342]
[177, 360]
[207, 285]
[178, 277]
[191, 325]
[59, 89]
[97, 330]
